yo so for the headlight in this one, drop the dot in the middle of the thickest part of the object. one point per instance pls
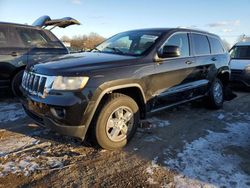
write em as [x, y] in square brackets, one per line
[247, 69]
[69, 83]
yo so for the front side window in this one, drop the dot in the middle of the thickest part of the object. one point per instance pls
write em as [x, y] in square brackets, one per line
[216, 46]
[180, 40]
[200, 44]
[240, 52]
[129, 43]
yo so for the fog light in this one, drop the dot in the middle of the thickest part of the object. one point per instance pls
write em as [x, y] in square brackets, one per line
[59, 113]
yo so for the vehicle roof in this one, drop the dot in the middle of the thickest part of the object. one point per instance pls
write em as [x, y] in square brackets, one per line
[175, 30]
[242, 44]
[18, 25]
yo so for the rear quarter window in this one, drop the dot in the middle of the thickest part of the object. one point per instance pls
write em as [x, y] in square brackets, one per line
[200, 44]
[33, 38]
[216, 46]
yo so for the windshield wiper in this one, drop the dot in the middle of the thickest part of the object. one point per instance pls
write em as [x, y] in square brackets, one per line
[115, 50]
[95, 48]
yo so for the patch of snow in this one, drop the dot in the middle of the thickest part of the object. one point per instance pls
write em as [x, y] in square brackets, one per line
[24, 166]
[150, 170]
[135, 149]
[204, 160]
[55, 162]
[11, 112]
[158, 123]
[152, 138]
[184, 182]
[14, 144]
[221, 117]
[151, 181]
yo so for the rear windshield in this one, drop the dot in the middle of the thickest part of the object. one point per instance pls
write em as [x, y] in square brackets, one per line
[240, 52]
[33, 38]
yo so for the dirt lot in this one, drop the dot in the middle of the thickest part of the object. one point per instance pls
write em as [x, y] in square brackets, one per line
[187, 146]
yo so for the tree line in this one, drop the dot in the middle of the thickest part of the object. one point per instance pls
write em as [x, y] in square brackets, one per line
[83, 42]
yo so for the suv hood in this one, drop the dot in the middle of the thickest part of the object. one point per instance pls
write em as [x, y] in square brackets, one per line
[80, 63]
[239, 64]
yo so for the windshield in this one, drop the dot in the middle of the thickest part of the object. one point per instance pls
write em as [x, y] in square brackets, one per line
[240, 52]
[129, 43]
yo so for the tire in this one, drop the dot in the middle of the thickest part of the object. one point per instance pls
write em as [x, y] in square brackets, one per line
[16, 82]
[111, 130]
[215, 97]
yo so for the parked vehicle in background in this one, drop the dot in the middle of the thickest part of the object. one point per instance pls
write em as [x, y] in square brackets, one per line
[104, 93]
[240, 64]
[24, 44]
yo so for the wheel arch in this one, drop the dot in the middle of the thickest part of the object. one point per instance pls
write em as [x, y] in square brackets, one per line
[224, 77]
[17, 70]
[134, 91]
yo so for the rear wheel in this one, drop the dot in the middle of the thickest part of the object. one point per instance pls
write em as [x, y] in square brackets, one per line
[16, 82]
[216, 95]
[116, 122]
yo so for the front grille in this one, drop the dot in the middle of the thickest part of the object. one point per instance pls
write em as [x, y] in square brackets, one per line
[237, 72]
[36, 84]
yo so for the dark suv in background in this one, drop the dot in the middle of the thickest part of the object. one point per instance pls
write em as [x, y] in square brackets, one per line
[21, 45]
[104, 93]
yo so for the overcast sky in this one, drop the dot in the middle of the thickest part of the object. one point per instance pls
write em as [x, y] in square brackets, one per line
[227, 18]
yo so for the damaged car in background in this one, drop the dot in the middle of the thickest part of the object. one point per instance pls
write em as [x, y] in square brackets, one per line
[104, 93]
[21, 45]
[240, 64]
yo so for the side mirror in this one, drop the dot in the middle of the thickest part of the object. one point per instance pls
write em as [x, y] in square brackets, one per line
[169, 52]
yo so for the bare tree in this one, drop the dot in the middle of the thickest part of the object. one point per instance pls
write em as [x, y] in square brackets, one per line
[226, 44]
[84, 42]
[243, 38]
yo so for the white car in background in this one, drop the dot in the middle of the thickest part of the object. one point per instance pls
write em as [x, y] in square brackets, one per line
[240, 64]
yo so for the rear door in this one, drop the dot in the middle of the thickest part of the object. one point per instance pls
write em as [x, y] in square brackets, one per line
[42, 45]
[173, 75]
[205, 62]
[13, 53]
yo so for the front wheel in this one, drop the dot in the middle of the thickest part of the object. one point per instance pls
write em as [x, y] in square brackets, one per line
[216, 95]
[117, 122]
[16, 82]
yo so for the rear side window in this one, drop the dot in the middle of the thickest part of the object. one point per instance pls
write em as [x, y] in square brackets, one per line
[200, 44]
[8, 38]
[3, 38]
[216, 46]
[180, 40]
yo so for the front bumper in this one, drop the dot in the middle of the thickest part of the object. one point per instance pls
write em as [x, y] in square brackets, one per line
[63, 112]
[240, 77]
[74, 131]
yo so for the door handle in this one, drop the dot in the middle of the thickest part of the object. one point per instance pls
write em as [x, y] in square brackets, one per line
[188, 62]
[14, 54]
[214, 59]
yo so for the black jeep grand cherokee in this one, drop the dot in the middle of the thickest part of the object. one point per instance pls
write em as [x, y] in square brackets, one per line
[107, 91]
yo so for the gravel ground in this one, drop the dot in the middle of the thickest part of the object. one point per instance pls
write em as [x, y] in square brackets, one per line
[186, 146]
